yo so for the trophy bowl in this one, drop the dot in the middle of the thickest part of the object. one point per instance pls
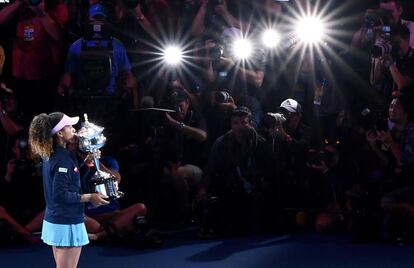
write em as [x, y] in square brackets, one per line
[91, 139]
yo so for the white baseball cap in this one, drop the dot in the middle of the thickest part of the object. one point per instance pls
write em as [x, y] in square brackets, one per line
[291, 106]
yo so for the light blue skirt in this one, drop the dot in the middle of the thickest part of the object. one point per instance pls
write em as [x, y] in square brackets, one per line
[64, 235]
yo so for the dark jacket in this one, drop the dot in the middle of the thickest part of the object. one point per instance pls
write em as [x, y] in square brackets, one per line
[61, 182]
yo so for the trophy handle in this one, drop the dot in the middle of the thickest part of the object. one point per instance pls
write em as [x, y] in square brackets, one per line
[96, 161]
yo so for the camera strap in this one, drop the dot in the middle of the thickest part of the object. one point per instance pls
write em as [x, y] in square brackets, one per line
[248, 187]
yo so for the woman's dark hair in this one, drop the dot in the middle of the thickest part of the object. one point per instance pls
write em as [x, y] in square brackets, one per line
[40, 133]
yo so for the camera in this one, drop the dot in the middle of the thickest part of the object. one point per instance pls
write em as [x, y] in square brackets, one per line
[376, 18]
[373, 120]
[271, 120]
[315, 157]
[96, 59]
[96, 30]
[216, 52]
[222, 96]
[383, 44]
[23, 164]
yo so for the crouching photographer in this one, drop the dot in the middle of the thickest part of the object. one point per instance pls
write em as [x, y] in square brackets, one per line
[232, 180]
[330, 176]
[399, 204]
[22, 178]
[390, 178]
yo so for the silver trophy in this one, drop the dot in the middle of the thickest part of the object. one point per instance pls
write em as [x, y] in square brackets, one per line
[91, 139]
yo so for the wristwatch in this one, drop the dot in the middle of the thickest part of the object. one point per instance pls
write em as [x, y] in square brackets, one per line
[181, 125]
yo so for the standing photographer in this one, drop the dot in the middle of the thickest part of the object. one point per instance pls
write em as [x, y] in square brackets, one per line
[375, 37]
[243, 77]
[37, 50]
[400, 62]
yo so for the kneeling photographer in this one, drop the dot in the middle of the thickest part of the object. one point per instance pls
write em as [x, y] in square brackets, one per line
[22, 188]
[399, 204]
[231, 186]
[330, 176]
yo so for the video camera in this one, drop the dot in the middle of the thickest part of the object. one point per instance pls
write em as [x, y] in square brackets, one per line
[96, 59]
[376, 18]
[217, 51]
[382, 44]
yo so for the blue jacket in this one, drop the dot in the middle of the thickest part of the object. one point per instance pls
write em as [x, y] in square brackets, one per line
[61, 182]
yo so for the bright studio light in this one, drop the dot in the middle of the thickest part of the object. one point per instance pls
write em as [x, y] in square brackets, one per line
[173, 55]
[270, 38]
[310, 30]
[242, 48]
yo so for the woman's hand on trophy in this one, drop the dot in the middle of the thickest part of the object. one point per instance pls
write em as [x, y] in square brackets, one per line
[96, 199]
[89, 159]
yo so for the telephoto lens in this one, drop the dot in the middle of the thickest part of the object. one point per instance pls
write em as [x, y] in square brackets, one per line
[223, 97]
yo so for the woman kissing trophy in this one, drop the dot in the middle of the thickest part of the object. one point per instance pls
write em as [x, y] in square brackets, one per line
[91, 139]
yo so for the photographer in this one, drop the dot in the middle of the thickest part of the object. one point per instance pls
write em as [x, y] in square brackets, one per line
[388, 14]
[233, 177]
[291, 156]
[37, 51]
[213, 17]
[134, 27]
[401, 61]
[242, 77]
[11, 122]
[399, 203]
[98, 78]
[375, 37]
[330, 176]
[185, 149]
[22, 178]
